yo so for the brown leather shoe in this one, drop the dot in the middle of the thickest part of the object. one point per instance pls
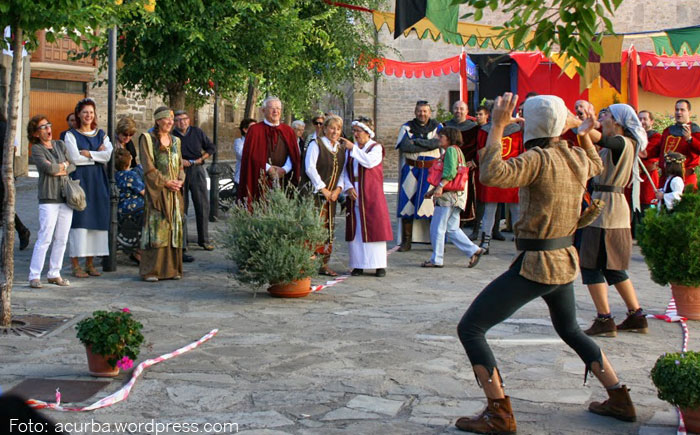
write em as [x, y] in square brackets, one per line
[634, 323]
[497, 418]
[602, 327]
[619, 405]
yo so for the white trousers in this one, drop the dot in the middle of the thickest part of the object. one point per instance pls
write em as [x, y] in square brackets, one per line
[54, 225]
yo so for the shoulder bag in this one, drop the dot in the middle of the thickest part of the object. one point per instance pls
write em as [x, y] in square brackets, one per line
[458, 183]
[74, 194]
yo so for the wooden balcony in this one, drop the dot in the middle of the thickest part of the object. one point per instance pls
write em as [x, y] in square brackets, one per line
[59, 52]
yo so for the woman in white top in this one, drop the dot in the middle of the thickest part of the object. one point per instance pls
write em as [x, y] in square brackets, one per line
[672, 191]
[238, 147]
[89, 149]
[323, 166]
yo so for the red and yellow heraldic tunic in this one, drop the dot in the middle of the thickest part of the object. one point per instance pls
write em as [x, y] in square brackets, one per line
[512, 143]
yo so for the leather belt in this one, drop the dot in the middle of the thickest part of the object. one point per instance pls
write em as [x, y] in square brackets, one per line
[606, 188]
[421, 164]
[544, 244]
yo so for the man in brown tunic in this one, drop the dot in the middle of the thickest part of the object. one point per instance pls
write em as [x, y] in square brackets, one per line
[551, 177]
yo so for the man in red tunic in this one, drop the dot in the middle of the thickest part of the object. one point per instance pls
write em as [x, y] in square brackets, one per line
[650, 159]
[512, 143]
[683, 137]
[270, 153]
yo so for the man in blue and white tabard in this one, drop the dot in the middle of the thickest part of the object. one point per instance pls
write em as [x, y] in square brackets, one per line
[417, 153]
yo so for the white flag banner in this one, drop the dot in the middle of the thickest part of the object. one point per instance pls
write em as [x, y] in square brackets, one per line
[6, 47]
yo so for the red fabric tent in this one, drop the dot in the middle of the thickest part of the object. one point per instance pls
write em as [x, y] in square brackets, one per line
[547, 79]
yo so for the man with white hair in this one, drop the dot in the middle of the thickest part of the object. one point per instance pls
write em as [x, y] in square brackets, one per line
[270, 153]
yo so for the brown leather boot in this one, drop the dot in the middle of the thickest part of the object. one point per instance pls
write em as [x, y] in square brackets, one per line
[406, 235]
[497, 418]
[619, 405]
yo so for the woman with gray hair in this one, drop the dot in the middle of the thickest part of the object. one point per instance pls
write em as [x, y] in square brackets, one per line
[298, 126]
[551, 177]
[606, 244]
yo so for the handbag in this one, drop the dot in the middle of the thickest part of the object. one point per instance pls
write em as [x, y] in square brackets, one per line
[458, 183]
[74, 194]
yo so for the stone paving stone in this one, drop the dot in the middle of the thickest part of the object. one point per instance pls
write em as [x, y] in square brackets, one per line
[349, 414]
[555, 396]
[204, 398]
[263, 419]
[376, 405]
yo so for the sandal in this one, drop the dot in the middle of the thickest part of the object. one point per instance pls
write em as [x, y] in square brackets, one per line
[79, 273]
[327, 272]
[92, 271]
[59, 281]
[35, 283]
[356, 272]
[476, 257]
[150, 278]
[430, 264]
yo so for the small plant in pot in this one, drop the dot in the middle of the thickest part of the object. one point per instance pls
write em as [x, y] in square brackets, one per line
[112, 341]
[670, 243]
[274, 241]
[677, 378]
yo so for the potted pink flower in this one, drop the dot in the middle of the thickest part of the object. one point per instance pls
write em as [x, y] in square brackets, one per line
[112, 341]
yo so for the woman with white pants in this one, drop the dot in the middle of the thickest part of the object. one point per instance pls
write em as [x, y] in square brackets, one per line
[55, 216]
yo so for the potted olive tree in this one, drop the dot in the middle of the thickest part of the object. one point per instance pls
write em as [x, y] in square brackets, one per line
[273, 242]
[677, 378]
[112, 341]
[670, 243]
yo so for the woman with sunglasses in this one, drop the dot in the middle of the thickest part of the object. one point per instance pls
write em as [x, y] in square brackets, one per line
[126, 129]
[55, 216]
[89, 149]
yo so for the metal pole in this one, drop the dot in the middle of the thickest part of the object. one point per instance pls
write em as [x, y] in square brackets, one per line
[109, 263]
[214, 167]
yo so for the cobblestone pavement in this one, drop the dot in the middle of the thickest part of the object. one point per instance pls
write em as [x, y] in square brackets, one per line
[368, 355]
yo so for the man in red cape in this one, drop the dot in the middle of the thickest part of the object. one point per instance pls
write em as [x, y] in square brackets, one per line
[270, 151]
[683, 137]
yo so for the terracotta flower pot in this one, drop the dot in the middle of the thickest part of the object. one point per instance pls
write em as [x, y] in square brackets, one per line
[294, 289]
[691, 417]
[98, 365]
[687, 300]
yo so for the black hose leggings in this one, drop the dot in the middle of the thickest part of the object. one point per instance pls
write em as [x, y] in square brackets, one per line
[503, 297]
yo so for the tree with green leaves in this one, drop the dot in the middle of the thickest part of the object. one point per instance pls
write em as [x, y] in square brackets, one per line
[297, 49]
[575, 26]
[25, 18]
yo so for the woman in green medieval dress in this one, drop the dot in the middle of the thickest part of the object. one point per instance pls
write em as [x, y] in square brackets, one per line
[162, 234]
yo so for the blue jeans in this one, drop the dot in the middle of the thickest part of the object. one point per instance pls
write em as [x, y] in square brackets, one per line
[445, 221]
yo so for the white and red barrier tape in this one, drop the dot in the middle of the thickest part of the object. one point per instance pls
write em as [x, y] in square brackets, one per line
[671, 315]
[123, 392]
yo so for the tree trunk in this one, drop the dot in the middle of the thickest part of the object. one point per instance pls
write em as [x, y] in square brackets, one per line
[8, 208]
[250, 99]
[176, 97]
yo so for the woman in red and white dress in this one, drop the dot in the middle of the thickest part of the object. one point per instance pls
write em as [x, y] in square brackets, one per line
[368, 226]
